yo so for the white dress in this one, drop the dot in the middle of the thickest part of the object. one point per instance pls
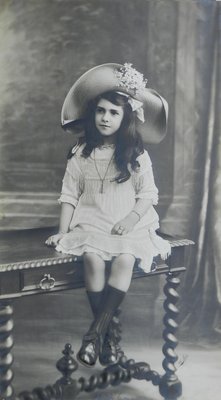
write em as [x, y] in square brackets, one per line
[96, 213]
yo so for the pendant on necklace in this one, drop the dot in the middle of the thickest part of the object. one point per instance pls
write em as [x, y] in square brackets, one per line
[102, 187]
[102, 179]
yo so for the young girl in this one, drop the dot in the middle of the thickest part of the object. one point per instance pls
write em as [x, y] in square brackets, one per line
[108, 191]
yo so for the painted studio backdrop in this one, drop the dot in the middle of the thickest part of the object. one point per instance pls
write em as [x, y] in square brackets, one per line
[44, 47]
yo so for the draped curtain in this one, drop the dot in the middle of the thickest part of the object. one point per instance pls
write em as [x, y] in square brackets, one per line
[201, 290]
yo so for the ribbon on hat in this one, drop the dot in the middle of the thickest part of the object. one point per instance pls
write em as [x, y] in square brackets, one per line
[136, 106]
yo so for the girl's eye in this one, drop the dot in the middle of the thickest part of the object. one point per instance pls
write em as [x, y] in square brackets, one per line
[113, 112]
[99, 110]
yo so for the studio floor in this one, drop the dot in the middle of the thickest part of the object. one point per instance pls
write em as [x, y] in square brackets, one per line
[44, 324]
[200, 374]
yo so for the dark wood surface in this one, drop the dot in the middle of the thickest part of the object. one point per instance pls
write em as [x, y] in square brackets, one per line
[28, 266]
[26, 246]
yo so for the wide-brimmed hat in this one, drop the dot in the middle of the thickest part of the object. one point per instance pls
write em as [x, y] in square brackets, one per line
[120, 78]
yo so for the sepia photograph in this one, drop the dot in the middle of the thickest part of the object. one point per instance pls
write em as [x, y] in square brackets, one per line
[110, 199]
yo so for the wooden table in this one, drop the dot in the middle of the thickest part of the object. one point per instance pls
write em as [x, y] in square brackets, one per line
[28, 267]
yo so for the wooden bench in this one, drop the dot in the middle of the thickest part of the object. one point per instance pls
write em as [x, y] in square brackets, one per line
[28, 267]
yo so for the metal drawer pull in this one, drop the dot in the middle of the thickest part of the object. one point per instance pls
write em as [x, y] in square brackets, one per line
[47, 282]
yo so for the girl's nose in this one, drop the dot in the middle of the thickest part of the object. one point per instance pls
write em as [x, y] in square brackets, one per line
[105, 117]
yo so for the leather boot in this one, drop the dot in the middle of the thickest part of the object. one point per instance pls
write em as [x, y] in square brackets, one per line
[108, 354]
[93, 341]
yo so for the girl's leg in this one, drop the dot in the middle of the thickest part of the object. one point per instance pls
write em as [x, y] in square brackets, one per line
[118, 284]
[113, 298]
[121, 272]
[94, 272]
[94, 275]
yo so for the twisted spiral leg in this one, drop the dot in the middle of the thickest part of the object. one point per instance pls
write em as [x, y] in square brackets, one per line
[170, 387]
[53, 392]
[6, 343]
[141, 370]
[113, 375]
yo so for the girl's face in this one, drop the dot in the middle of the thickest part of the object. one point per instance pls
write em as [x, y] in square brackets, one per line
[108, 117]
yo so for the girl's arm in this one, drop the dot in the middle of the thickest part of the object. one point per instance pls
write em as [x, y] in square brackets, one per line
[128, 223]
[70, 194]
[67, 210]
[146, 196]
[141, 207]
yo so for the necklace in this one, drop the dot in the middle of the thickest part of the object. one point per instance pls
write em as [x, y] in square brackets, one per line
[100, 177]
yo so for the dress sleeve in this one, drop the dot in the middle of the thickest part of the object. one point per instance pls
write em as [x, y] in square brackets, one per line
[145, 187]
[71, 183]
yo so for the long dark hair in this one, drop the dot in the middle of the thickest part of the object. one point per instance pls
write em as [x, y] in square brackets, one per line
[128, 144]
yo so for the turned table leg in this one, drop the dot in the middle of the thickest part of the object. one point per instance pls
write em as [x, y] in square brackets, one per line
[6, 343]
[170, 387]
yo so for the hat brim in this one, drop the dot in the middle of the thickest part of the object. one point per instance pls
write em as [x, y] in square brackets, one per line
[102, 79]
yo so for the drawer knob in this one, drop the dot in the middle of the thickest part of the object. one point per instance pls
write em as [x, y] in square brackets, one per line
[47, 282]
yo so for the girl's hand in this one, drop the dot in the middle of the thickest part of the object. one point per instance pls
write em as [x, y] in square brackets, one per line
[124, 226]
[54, 239]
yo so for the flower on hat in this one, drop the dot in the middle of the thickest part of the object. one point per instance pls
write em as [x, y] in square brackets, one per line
[130, 79]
